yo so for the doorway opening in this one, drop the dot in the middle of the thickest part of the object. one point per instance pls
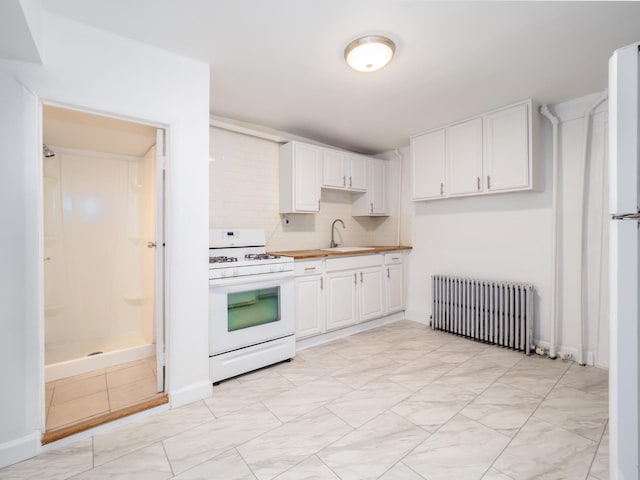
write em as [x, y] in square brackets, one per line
[103, 227]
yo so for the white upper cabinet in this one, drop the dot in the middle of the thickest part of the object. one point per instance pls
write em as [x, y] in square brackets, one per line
[488, 154]
[344, 171]
[300, 178]
[464, 157]
[428, 161]
[506, 149]
[305, 169]
[334, 165]
[377, 189]
[374, 201]
[357, 173]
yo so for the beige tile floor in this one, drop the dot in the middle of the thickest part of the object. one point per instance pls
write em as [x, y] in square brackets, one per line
[400, 402]
[75, 399]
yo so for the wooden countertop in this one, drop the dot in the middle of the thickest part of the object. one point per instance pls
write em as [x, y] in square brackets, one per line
[305, 254]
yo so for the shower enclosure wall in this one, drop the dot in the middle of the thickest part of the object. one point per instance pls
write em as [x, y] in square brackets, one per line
[99, 271]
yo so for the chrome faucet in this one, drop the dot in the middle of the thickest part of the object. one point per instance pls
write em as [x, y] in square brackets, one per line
[333, 227]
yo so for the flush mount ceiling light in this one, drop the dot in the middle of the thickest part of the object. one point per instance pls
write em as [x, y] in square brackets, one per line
[369, 53]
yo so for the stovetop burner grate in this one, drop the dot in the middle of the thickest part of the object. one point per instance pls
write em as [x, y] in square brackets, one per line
[222, 259]
[260, 256]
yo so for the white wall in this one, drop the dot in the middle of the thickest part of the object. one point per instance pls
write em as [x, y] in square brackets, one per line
[20, 257]
[108, 73]
[508, 236]
[244, 194]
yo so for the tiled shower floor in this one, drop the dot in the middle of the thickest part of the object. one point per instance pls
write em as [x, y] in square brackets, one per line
[76, 399]
[400, 402]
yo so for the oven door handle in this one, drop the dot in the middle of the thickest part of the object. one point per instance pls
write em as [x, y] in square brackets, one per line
[250, 279]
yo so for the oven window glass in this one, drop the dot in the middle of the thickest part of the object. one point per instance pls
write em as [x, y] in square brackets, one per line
[253, 308]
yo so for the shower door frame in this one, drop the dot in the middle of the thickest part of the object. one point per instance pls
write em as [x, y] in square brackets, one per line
[160, 309]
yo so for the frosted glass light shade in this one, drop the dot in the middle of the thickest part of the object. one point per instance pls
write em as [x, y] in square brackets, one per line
[370, 53]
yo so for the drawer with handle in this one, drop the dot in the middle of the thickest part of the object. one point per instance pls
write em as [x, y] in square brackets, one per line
[310, 267]
[392, 258]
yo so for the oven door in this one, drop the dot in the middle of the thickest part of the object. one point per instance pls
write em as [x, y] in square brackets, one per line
[245, 311]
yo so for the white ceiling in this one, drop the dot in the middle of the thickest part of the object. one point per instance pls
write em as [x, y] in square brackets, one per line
[85, 131]
[279, 63]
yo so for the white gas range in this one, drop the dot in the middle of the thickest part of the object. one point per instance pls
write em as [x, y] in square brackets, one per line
[251, 304]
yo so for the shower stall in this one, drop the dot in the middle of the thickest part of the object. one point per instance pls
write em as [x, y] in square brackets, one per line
[99, 255]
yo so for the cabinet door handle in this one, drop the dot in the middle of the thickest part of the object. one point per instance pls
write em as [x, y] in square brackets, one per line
[488, 182]
[309, 269]
[350, 182]
[441, 188]
[318, 204]
[321, 283]
[478, 183]
[388, 273]
[344, 180]
[355, 278]
[361, 277]
[371, 207]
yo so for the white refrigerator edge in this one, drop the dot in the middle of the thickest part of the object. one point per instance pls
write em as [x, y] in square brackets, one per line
[624, 267]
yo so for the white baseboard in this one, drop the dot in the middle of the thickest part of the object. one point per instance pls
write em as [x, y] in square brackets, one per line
[417, 316]
[190, 393]
[345, 332]
[19, 449]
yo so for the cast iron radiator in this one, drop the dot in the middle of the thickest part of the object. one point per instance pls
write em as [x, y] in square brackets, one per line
[499, 313]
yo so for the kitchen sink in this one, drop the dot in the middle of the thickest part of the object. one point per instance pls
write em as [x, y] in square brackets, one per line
[346, 249]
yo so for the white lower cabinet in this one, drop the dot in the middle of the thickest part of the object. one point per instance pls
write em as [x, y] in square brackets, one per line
[341, 299]
[393, 283]
[310, 298]
[371, 305]
[394, 298]
[341, 292]
[309, 306]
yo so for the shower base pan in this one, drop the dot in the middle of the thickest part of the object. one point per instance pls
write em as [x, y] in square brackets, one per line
[81, 365]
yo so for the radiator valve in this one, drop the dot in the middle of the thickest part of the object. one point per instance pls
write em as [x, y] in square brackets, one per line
[540, 351]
